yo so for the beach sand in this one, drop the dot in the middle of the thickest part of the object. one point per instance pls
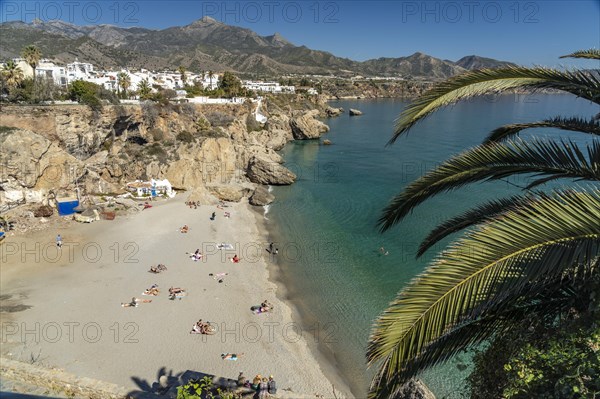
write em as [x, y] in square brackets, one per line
[62, 307]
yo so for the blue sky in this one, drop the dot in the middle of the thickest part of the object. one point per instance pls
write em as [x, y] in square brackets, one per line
[526, 32]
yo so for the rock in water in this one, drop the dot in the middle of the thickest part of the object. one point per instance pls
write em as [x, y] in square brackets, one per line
[331, 112]
[354, 112]
[414, 389]
[327, 142]
[265, 171]
[306, 127]
[261, 196]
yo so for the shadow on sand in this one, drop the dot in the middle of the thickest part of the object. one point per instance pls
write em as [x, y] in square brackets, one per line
[166, 384]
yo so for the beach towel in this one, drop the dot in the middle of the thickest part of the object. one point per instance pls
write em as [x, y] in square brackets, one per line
[225, 245]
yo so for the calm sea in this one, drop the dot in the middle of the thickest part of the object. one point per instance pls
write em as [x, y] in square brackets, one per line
[326, 223]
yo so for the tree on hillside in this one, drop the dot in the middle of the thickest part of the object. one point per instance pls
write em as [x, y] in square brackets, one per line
[144, 90]
[211, 75]
[124, 82]
[12, 74]
[182, 71]
[32, 55]
[230, 84]
[531, 258]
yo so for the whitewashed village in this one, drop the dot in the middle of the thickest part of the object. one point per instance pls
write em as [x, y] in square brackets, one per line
[64, 75]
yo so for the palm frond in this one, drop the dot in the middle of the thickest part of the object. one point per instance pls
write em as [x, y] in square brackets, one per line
[470, 218]
[547, 159]
[583, 84]
[592, 54]
[488, 270]
[554, 300]
[591, 126]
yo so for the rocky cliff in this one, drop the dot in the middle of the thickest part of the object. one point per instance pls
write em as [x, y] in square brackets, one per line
[217, 149]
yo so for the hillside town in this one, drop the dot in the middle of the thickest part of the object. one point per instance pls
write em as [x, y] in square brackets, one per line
[113, 80]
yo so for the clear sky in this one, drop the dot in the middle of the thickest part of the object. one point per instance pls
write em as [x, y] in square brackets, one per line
[526, 32]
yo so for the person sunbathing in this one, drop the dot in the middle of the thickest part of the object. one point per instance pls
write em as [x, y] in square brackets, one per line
[266, 305]
[158, 269]
[134, 302]
[184, 229]
[231, 356]
[176, 293]
[227, 214]
[154, 291]
[235, 259]
[196, 255]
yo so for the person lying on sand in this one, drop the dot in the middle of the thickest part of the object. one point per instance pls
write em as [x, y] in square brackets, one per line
[184, 229]
[158, 269]
[177, 293]
[152, 290]
[219, 276]
[235, 259]
[231, 356]
[134, 302]
[196, 255]
[202, 327]
[227, 214]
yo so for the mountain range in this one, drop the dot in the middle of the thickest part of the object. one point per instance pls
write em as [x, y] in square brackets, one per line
[207, 44]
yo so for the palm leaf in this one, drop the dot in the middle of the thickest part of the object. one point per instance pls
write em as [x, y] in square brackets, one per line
[583, 84]
[470, 218]
[487, 270]
[555, 299]
[572, 124]
[592, 54]
[547, 159]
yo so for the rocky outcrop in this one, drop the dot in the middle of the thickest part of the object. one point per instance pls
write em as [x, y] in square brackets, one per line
[230, 192]
[202, 196]
[414, 389]
[332, 112]
[261, 197]
[305, 126]
[354, 112]
[193, 146]
[264, 171]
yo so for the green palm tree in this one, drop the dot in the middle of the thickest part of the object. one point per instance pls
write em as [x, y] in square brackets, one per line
[32, 56]
[12, 74]
[182, 71]
[144, 89]
[211, 75]
[124, 82]
[519, 255]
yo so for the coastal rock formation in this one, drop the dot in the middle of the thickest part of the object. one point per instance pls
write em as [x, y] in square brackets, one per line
[202, 196]
[32, 166]
[264, 171]
[414, 389]
[354, 112]
[191, 145]
[230, 192]
[327, 142]
[306, 127]
[261, 197]
[331, 112]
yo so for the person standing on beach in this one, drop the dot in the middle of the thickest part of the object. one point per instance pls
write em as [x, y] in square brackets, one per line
[214, 215]
[59, 241]
[271, 248]
[272, 386]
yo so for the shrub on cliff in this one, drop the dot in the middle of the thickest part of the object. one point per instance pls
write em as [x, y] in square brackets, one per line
[90, 94]
[185, 137]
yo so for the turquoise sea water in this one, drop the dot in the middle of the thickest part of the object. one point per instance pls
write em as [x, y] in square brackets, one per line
[326, 223]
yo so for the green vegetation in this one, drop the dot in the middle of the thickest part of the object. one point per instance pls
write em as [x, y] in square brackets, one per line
[32, 56]
[185, 137]
[204, 388]
[523, 275]
[90, 94]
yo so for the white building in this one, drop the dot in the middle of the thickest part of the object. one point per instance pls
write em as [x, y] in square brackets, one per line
[268, 87]
[79, 71]
[49, 70]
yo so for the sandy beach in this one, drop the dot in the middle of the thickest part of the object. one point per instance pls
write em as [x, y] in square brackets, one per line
[62, 307]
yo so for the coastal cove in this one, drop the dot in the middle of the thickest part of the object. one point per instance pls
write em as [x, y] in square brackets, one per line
[326, 223]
